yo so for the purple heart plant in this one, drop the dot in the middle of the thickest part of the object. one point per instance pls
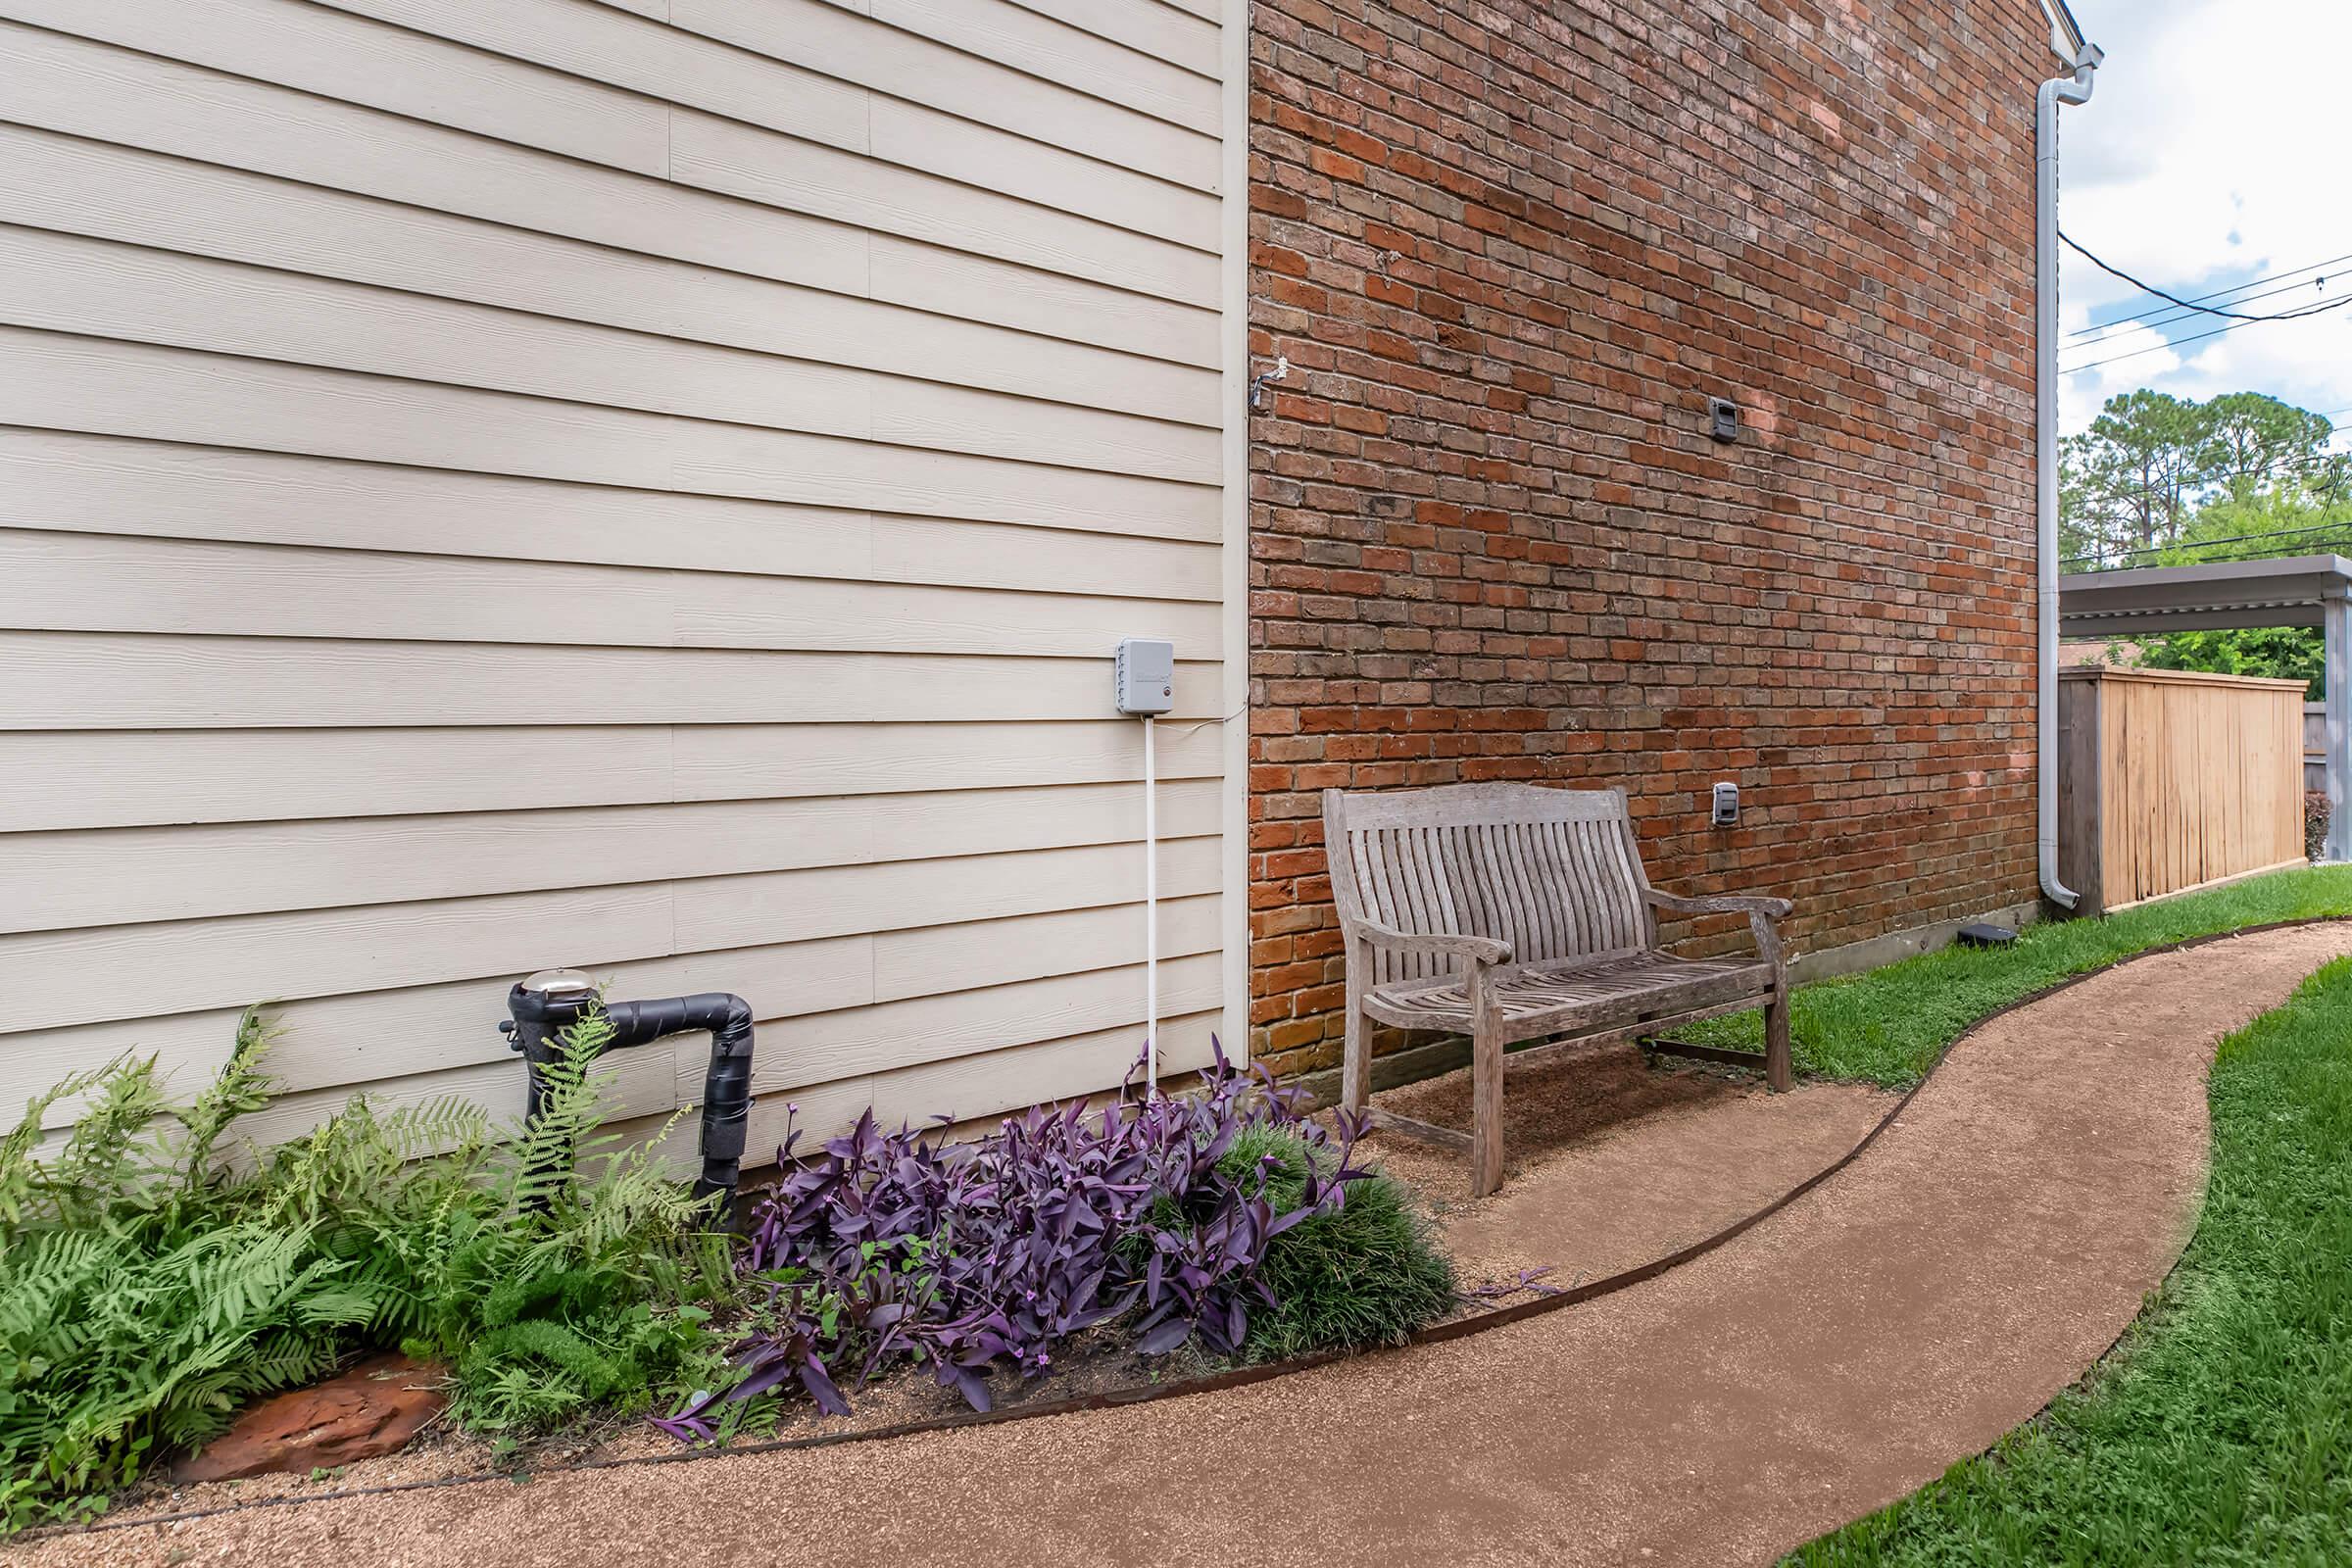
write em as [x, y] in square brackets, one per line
[970, 1257]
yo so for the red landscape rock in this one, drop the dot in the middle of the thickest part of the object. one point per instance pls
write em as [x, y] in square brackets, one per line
[372, 1409]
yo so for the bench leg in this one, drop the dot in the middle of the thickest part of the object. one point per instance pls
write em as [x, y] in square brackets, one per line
[1486, 1097]
[1775, 1042]
[1356, 1057]
[1356, 1064]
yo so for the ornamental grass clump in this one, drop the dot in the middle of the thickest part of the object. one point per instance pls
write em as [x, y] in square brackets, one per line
[977, 1258]
[1365, 1274]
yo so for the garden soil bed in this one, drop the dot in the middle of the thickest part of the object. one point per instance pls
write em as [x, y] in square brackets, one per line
[1615, 1161]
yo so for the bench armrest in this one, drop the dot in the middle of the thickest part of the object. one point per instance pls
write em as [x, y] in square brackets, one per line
[1478, 950]
[1762, 914]
[1722, 903]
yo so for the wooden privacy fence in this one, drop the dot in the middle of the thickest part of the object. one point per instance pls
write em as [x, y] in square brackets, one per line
[2173, 779]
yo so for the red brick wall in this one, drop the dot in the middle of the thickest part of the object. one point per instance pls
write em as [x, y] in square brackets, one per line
[1511, 249]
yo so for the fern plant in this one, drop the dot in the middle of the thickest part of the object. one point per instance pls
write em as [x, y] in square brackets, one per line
[150, 1284]
[138, 1303]
[584, 1276]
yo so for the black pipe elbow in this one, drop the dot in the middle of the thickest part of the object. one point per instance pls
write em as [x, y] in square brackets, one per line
[726, 1086]
[552, 1000]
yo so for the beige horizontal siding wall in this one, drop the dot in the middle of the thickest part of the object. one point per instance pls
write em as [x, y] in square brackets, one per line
[650, 488]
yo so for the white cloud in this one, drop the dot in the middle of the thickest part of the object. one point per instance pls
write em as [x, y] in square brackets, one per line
[2122, 356]
[2314, 358]
[2209, 155]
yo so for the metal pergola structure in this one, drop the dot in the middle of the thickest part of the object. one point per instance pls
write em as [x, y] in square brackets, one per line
[2226, 596]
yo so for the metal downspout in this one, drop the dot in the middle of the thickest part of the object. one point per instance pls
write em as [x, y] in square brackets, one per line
[2068, 89]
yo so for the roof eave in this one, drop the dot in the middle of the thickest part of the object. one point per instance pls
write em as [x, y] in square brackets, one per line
[2067, 40]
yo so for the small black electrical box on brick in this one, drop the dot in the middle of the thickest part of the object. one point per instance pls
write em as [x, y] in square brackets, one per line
[1723, 419]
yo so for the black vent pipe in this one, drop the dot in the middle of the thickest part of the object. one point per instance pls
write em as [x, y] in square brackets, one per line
[553, 999]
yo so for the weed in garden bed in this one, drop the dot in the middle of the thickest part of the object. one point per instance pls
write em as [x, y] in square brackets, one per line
[2217, 1434]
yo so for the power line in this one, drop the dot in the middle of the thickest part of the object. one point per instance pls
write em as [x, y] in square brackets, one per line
[2321, 440]
[2339, 525]
[2188, 307]
[2199, 337]
[2149, 288]
[2236, 541]
[2194, 305]
[2122, 328]
[2286, 463]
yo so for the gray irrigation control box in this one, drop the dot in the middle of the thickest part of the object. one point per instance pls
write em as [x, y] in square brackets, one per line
[1145, 675]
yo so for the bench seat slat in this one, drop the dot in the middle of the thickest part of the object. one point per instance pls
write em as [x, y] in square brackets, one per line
[1600, 991]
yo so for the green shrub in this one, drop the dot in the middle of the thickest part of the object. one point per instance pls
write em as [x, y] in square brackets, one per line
[149, 1284]
[1368, 1274]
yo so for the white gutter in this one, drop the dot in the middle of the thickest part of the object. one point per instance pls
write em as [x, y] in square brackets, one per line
[2068, 89]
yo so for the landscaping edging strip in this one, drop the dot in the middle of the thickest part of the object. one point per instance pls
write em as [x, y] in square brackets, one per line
[1236, 1378]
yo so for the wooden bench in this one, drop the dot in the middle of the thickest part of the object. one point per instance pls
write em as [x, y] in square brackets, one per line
[1510, 912]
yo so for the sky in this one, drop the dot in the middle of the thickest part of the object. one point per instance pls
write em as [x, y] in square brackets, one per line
[2211, 155]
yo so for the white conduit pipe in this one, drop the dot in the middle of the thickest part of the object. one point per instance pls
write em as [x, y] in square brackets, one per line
[1150, 915]
[2074, 88]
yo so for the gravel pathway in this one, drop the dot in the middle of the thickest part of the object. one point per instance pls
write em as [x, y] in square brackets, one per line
[1904, 1315]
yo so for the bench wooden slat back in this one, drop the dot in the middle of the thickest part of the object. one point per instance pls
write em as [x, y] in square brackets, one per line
[1556, 874]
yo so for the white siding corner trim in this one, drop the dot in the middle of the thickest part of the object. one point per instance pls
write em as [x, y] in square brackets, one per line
[490, 487]
[1234, 52]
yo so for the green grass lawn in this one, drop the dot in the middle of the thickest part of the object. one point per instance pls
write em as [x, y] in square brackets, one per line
[2220, 1433]
[1888, 1026]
